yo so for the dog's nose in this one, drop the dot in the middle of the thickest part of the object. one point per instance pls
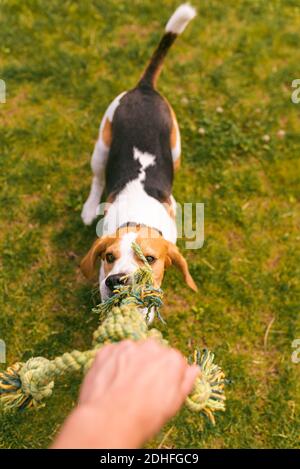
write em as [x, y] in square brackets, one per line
[113, 280]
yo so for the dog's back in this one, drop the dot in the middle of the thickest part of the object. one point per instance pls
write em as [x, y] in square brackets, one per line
[142, 121]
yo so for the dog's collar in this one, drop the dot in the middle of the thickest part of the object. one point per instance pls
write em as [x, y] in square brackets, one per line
[133, 223]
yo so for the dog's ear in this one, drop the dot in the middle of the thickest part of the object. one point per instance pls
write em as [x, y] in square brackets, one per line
[88, 263]
[175, 257]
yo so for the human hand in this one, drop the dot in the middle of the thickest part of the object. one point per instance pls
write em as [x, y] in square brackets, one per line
[131, 390]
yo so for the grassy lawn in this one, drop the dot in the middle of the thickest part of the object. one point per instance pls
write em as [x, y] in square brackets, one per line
[229, 74]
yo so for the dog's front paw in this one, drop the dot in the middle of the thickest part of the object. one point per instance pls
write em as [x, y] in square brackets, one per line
[89, 212]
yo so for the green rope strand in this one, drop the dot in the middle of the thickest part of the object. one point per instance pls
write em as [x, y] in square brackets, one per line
[27, 384]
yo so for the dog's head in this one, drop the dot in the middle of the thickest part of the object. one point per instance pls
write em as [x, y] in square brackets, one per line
[118, 258]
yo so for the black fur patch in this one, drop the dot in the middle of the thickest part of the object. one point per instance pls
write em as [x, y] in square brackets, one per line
[153, 69]
[142, 120]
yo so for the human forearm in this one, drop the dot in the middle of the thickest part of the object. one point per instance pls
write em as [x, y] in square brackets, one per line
[90, 428]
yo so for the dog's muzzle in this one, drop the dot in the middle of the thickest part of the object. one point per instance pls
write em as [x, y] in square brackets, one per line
[113, 281]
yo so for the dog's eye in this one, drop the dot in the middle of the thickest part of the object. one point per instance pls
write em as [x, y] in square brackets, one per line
[150, 259]
[110, 258]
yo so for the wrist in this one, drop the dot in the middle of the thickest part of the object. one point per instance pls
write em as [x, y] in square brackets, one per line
[91, 427]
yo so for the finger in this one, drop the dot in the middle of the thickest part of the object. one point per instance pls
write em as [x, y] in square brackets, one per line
[142, 354]
[189, 380]
[100, 374]
[152, 344]
[177, 364]
[181, 378]
[107, 364]
[173, 368]
[109, 352]
[100, 356]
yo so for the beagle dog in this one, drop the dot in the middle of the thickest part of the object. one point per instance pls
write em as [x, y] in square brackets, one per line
[134, 159]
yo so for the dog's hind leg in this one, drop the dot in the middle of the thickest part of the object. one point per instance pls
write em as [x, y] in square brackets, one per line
[98, 164]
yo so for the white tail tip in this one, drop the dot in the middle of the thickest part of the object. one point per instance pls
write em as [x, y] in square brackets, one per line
[180, 18]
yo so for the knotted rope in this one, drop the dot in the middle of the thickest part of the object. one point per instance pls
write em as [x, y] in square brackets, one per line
[25, 385]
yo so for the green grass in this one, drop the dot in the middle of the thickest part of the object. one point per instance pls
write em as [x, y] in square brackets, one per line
[63, 62]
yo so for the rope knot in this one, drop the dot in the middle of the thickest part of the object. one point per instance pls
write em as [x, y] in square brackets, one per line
[208, 393]
[122, 322]
[35, 380]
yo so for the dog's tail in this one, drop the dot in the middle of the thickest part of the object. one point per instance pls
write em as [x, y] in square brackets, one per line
[175, 26]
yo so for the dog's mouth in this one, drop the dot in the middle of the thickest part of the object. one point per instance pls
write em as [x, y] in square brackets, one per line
[114, 283]
[110, 293]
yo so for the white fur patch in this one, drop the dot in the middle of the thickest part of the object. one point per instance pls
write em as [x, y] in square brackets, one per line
[145, 159]
[135, 205]
[112, 107]
[180, 18]
[125, 264]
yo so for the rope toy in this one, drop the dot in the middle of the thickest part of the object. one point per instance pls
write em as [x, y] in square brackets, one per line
[25, 385]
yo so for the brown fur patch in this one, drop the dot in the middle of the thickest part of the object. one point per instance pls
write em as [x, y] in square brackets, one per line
[173, 134]
[169, 207]
[107, 133]
[177, 164]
